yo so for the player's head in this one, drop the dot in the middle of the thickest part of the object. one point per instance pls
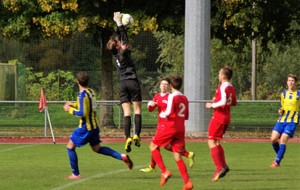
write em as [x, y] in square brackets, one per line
[164, 85]
[225, 73]
[114, 42]
[82, 78]
[176, 82]
[292, 81]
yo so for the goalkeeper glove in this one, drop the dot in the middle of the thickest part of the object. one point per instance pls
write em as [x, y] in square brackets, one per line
[118, 18]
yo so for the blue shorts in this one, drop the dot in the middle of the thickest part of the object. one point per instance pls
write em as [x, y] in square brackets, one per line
[286, 128]
[82, 136]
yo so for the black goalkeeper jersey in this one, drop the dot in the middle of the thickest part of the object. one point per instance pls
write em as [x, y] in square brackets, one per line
[124, 62]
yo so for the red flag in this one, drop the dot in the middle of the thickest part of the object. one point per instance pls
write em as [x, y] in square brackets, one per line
[43, 102]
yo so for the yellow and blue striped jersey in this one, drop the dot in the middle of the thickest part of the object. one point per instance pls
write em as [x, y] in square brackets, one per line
[85, 109]
[290, 102]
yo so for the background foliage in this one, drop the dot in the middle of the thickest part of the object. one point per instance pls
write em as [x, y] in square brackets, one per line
[55, 39]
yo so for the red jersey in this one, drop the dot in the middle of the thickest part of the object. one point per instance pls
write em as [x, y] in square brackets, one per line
[224, 98]
[173, 132]
[161, 104]
[177, 111]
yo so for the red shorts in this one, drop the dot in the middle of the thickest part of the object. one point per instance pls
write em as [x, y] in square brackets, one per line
[160, 125]
[170, 136]
[216, 130]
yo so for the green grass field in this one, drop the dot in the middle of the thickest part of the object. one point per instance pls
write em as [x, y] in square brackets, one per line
[261, 114]
[44, 166]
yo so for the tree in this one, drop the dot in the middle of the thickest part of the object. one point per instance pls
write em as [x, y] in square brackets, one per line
[171, 53]
[258, 21]
[281, 61]
[56, 84]
[40, 19]
[236, 21]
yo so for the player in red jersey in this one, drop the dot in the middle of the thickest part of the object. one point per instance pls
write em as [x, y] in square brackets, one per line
[160, 101]
[225, 97]
[172, 133]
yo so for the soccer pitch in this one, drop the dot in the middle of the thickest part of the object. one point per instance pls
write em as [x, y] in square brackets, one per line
[44, 166]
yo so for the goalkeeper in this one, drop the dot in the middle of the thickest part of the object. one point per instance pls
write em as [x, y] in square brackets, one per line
[130, 90]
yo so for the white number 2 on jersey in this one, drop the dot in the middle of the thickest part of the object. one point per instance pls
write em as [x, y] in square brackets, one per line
[181, 111]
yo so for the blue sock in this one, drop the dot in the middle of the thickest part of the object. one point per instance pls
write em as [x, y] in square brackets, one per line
[73, 161]
[109, 152]
[280, 153]
[275, 147]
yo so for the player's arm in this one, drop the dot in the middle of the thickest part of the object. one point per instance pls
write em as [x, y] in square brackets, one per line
[121, 29]
[223, 99]
[152, 104]
[74, 104]
[281, 110]
[124, 37]
[82, 109]
[298, 103]
[69, 105]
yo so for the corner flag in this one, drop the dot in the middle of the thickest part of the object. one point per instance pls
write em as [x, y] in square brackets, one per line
[42, 106]
[43, 102]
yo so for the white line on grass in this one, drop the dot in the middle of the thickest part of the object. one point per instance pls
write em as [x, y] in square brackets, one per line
[74, 182]
[14, 148]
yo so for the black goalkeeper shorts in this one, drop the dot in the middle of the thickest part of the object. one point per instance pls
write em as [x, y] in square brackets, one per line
[130, 91]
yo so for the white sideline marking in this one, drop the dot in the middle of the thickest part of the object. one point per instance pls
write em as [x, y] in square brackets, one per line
[74, 181]
[14, 148]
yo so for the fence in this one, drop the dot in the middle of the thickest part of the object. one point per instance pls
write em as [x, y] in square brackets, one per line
[22, 118]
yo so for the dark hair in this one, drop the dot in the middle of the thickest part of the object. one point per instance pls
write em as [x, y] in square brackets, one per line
[227, 71]
[293, 76]
[166, 79]
[176, 82]
[83, 78]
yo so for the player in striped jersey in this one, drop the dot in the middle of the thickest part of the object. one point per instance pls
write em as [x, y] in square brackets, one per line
[288, 119]
[88, 130]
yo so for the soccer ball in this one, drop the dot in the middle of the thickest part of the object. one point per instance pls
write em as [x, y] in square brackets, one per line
[127, 19]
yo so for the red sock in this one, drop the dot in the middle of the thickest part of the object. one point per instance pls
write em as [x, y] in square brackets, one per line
[158, 159]
[152, 163]
[214, 152]
[222, 156]
[183, 171]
